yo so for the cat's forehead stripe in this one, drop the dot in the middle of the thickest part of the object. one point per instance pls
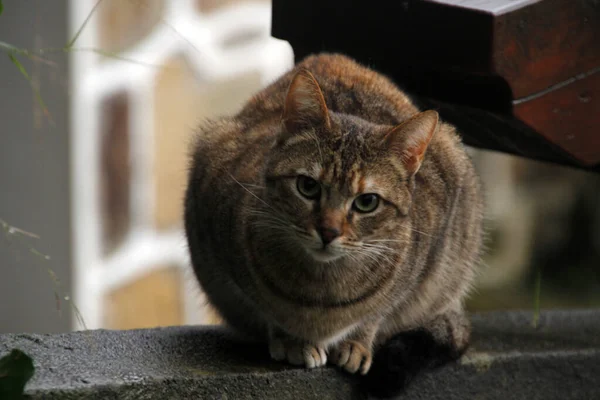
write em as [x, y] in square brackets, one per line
[355, 181]
[368, 184]
[294, 140]
[316, 170]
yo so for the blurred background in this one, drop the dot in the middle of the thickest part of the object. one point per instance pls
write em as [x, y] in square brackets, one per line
[93, 158]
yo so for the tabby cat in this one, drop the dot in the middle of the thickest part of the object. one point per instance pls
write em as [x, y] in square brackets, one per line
[333, 220]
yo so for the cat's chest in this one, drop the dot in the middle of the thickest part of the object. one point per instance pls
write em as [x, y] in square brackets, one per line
[316, 309]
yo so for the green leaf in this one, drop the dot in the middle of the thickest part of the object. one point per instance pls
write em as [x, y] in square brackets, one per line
[16, 369]
[1, 7]
[19, 66]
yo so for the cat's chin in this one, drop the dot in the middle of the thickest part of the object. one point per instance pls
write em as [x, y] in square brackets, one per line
[324, 255]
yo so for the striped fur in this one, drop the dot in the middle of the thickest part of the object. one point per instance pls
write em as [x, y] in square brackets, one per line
[253, 238]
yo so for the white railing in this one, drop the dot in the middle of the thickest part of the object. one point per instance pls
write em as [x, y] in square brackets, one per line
[199, 38]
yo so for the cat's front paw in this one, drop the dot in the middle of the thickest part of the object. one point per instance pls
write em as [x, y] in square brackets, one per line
[351, 355]
[297, 352]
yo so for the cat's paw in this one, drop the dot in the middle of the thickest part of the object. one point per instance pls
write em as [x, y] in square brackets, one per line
[352, 356]
[297, 352]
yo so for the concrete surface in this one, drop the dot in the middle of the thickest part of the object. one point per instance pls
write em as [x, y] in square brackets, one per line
[508, 360]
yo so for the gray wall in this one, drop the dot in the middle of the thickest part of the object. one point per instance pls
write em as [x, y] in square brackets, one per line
[34, 174]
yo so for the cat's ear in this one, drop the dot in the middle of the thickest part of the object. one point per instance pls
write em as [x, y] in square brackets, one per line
[410, 139]
[304, 104]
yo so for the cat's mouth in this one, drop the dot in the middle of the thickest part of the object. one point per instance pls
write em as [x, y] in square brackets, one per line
[324, 254]
[313, 245]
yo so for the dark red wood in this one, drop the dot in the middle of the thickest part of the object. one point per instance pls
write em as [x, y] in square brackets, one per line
[546, 43]
[569, 117]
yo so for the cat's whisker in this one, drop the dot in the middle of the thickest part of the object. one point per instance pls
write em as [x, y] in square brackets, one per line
[378, 252]
[378, 247]
[367, 254]
[246, 189]
[372, 245]
[269, 216]
[421, 232]
[278, 227]
[270, 219]
[271, 225]
[252, 185]
[273, 216]
[351, 257]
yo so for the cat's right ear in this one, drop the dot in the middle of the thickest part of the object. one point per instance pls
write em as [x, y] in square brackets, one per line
[410, 139]
[304, 106]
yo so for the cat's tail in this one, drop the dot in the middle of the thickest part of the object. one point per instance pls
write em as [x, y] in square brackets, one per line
[398, 361]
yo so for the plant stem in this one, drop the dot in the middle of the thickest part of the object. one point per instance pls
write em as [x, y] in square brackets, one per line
[536, 297]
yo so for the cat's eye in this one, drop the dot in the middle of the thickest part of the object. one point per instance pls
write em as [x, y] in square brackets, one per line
[366, 203]
[308, 187]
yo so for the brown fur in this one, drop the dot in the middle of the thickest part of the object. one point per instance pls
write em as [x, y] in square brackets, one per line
[254, 239]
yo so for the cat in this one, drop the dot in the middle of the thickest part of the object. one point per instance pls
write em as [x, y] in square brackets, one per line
[338, 223]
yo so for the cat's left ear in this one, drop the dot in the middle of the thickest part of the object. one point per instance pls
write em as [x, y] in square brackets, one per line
[410, 139]
[304, 104]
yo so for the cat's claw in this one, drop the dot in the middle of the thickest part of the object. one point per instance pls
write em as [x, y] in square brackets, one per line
[297, 353]
[352, 356]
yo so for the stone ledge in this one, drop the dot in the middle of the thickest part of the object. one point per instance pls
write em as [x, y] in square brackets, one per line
[508, 360]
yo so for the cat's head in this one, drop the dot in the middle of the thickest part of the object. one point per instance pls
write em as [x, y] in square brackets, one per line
[339, 185]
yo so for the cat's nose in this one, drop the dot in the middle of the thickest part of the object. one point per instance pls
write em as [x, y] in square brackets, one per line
[328, 235]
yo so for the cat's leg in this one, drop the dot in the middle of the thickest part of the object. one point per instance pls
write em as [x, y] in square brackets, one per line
[296, 351]
[404, 355]
[354, 353]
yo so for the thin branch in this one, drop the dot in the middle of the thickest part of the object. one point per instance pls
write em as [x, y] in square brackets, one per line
[11, 230]
[170, 26]
[9, 47]
[116, 56]
[78, 33]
